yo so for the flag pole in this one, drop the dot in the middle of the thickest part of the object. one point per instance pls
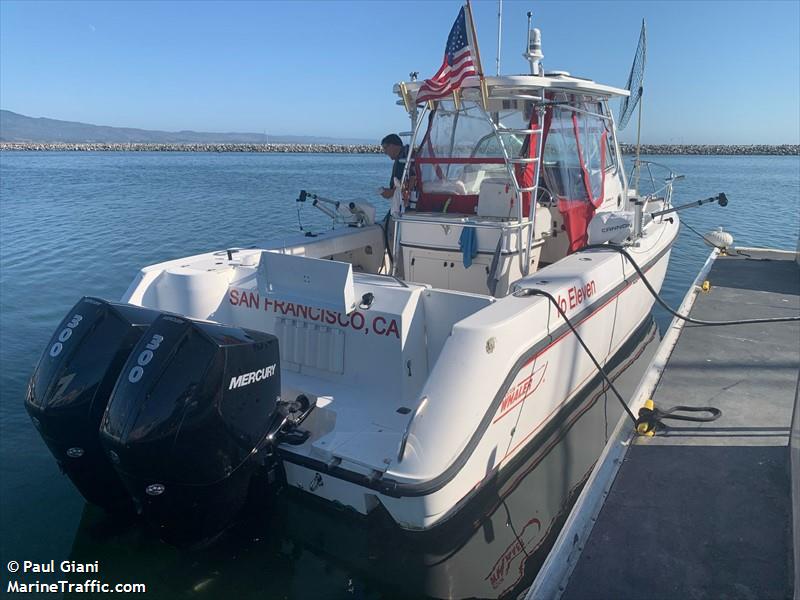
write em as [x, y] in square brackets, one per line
[484, 91]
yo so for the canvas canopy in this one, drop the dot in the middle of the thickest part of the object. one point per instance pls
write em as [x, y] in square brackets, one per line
[460, 150]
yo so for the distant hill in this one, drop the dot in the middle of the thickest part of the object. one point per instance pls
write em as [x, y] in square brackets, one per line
[19, 128]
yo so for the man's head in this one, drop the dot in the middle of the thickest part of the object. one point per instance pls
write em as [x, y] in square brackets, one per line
[392, 146]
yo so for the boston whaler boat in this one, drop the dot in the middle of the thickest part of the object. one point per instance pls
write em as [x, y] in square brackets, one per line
[398, 366]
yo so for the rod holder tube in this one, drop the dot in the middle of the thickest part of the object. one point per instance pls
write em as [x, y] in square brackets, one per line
[721, 198]
[638, 214]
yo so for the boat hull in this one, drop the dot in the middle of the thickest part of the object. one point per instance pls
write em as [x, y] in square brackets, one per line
[537, 393]
[419, 397]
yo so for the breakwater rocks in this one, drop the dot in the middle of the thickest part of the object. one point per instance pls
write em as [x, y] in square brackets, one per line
[692, 149]
[714, 149]
[141, 147]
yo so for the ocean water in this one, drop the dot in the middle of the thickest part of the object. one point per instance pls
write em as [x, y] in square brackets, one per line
[74, 224]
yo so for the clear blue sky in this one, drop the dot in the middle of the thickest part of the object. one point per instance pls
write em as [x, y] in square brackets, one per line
[718, 72]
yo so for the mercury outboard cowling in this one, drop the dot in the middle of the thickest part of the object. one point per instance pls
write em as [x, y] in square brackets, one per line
[70, 388]
[187, 417]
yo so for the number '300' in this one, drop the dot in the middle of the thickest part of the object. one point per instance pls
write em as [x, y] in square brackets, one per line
[64, 335]
[144, 358]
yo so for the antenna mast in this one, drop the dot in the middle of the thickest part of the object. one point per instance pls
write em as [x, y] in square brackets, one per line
[639, 125]
[499, 33]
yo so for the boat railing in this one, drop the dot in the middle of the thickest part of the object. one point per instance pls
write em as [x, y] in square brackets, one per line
[524, 251]
[464, 221]
[665, 190]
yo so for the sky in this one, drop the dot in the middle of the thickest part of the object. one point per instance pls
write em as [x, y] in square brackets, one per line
[717, 72]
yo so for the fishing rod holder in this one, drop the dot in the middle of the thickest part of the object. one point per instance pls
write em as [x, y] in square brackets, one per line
[304, 195]
[353, 214]
[721, 198]
[315, 202]
[639, 205]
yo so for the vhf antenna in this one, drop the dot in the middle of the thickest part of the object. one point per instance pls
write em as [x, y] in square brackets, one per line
[499, 33]
[533, 54]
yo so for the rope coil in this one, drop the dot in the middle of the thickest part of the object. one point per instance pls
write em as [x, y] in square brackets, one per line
[651, 419]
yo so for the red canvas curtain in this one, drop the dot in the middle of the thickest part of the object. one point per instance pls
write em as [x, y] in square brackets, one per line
[578, 209]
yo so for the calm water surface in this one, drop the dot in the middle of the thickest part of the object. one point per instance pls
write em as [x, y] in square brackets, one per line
[74, 224]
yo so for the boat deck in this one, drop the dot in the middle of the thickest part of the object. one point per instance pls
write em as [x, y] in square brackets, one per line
[704, 510]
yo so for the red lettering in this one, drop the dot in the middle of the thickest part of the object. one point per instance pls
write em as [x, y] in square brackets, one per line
[357, 320]
[571, 294]
[378, 325]
[393, 329]
[503, 565]
[522, 390]
[255, 300]
[515, 394]
[508, 401]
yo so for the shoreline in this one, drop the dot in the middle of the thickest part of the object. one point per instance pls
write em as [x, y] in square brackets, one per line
[650, 149]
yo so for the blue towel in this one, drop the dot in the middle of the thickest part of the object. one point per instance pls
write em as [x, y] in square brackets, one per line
[468, 242]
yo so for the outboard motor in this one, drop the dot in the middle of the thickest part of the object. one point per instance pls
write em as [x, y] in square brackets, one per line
[194, 404]
[70, 388]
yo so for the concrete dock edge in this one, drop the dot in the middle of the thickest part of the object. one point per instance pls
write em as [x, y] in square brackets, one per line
[557, 568]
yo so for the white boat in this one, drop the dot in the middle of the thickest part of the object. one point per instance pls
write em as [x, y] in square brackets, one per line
[401, 375]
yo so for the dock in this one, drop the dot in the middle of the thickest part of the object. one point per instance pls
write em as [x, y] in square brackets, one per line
[701, 510]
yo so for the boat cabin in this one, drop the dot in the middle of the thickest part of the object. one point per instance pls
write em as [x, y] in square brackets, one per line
[503, 178]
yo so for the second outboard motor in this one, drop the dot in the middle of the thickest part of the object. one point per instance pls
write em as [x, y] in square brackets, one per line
[192, 407]
[70, 388]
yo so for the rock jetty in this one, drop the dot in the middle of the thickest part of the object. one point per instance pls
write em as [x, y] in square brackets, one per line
[693, 149]
[143, 147]
[714, 149]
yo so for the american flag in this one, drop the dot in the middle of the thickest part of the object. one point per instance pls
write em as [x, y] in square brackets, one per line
[456, 66]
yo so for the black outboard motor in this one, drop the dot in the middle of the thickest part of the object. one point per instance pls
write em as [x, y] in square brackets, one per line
[70, 388]
[194, 404]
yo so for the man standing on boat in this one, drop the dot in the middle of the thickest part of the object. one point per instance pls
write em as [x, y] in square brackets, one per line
[393, 147]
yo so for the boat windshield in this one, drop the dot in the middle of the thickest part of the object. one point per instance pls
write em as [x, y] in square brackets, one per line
[467, 151]
[460, 151]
